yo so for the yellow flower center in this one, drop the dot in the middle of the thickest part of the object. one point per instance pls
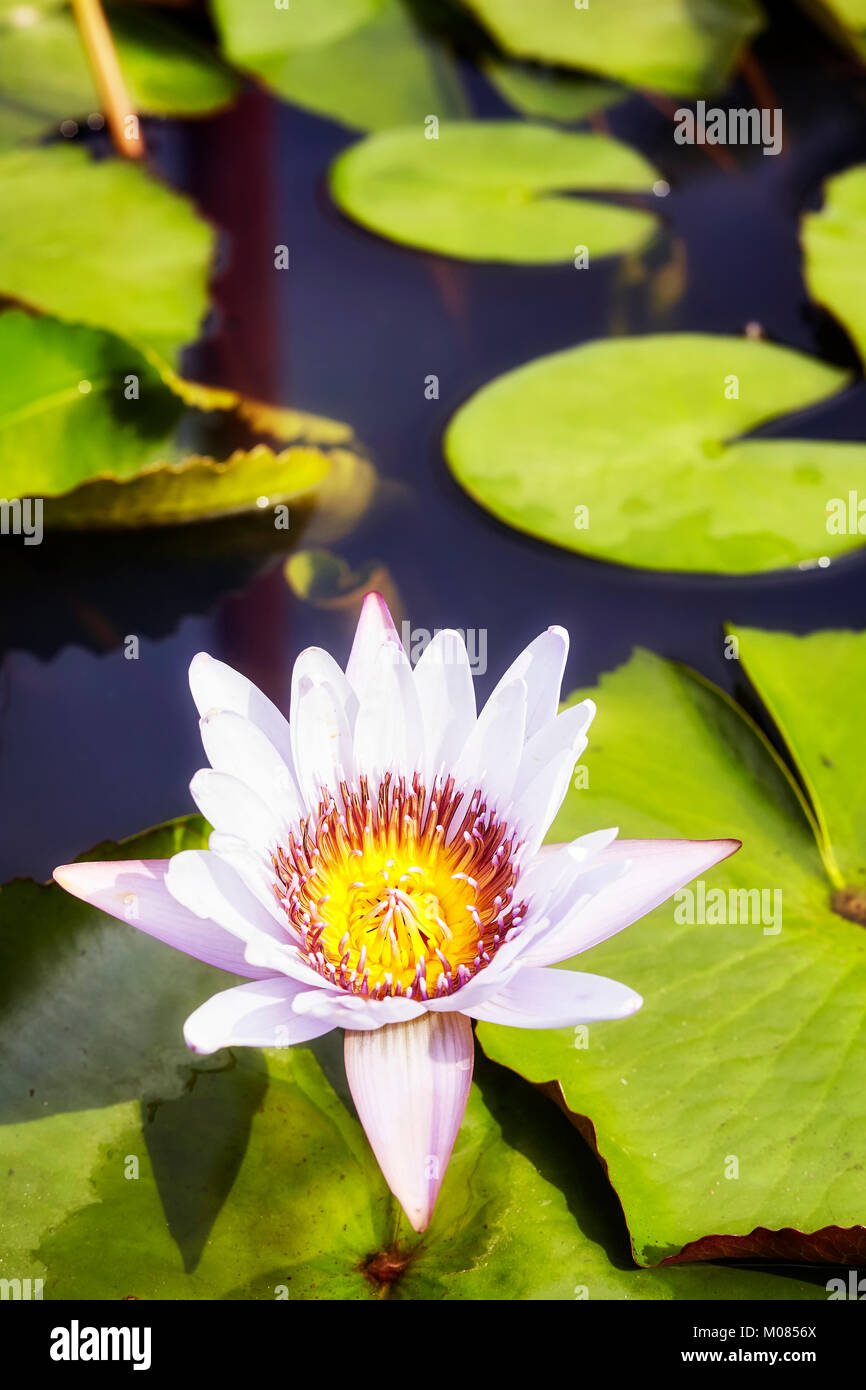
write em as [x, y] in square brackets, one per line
[395, 894]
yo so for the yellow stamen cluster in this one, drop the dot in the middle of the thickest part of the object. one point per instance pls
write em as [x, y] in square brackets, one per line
[394, 893]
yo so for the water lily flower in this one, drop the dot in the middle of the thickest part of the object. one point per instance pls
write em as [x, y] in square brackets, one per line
[376, 865]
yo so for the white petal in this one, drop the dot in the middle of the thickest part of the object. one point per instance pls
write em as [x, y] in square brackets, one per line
[556, 999]
[253, 867]
[541, 665]
[207, 885]
[566, 731]
[410, 1084]
[319, 668]
[216, 686]
[492, 752]
[446, 696]
[375, 625]
[256, 1015]
[135, 891]
[557, 864]
[535, 809]
[232, 808]
[236, 747]
[351, 1011]
[322, 739]
[388, 734]
[657, 868]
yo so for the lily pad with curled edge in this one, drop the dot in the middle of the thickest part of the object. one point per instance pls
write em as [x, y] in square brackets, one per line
[676, 46]
[365, 63]
[496, 191]
[635, 450]
[730, 1112]
[45, 77]
[91, 427]
[133, 1169]
[834, 252]
[102, 243]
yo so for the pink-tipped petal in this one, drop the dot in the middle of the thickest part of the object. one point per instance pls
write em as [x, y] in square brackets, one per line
[135, 891]
[556, 999]
[658, 869]
[410, 1083]
[256, 1015]
[375, 627]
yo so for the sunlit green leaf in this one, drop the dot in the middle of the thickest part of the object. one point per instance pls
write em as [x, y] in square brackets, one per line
[550, 93]
[632, 450]
[364, 63]
[495, 191]
[45, 77]
[683, 46]
[729, 1110]
[834, 252]
[86, 421]
[103, 243]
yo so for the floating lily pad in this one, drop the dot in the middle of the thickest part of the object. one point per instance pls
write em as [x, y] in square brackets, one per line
[86, 421]
[672, 45]
[132, 1169]
[495, 191]
[730, 1112]
[834, 252]
[45, 77]
[364, 63]
[632, 450]
[551, 93]
[845, 18]
[102, 243]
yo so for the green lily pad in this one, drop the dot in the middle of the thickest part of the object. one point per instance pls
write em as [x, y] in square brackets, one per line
[730, 1111]
[845, 20]
[132, 1169]
[824, 747]
[834, 252]
[632, 450]
[551, 93]
[672, 46]
[495, 191]
[45, 77]
[102, 243]
[87, 422]
[361, 62]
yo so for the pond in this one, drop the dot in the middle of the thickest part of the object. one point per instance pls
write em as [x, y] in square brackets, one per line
[351, 331]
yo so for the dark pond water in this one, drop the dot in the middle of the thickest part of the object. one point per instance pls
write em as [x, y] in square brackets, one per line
[93, 746]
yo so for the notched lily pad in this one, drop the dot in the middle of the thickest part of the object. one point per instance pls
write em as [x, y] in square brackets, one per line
[730, 1112]
[504, 191]
[636, 450]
